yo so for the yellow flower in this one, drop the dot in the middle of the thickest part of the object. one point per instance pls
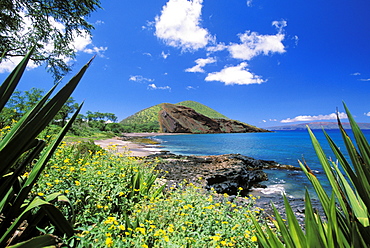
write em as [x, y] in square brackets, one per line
[170, 228]
[215, 238]
[40, 194]
[240, 188]
[144, 246]
[77, 183]
[109, 242]
[254, 239]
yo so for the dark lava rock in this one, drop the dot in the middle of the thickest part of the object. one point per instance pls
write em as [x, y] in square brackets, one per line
[229, 173]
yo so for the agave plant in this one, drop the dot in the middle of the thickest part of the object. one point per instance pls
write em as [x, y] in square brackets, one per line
[347, 210]
[21, 150]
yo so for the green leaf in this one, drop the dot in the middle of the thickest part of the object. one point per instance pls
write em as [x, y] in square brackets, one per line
[11, 82]
[37, 242]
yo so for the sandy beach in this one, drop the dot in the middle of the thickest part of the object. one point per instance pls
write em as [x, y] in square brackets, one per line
[133, 149]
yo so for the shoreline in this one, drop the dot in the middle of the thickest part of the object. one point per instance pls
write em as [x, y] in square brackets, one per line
[132, 148]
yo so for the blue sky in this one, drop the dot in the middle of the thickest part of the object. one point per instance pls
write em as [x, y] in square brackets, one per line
[266, 63]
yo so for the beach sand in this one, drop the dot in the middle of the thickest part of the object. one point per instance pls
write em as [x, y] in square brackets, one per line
[133, 149]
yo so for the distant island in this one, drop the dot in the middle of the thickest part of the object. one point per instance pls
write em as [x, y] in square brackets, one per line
[318, 125]
[185, 117]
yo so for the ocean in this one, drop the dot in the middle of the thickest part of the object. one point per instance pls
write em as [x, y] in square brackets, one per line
[284, 147]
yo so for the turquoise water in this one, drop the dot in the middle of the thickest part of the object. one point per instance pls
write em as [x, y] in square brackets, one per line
[284, 147]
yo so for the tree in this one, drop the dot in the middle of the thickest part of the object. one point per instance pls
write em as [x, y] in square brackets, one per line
[19, 104]
[68, 108]
[51, 24]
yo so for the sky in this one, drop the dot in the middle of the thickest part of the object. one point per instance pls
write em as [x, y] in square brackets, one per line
[265, 63]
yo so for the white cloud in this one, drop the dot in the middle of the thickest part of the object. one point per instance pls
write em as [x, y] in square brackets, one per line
[365, 79]
[332, 116]
[148, 54]
[179, 25]
[272, 119]
[249, 3]
[356, 74]
[154, 87]
[82, 42]
[200, 64]
[191, 87]
[367, 114]
[235, 75]
[165, 55]
[140, 79]
[254, 44]
[219, 47]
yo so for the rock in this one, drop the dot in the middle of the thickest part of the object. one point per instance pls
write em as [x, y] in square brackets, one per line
[224, 173]
[181, 119]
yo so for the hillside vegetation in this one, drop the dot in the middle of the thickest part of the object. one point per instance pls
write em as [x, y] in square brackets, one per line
[146, 120]
[202, 109]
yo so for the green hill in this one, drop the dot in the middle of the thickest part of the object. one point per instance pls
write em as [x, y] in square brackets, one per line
[147, 120]
[202, 109]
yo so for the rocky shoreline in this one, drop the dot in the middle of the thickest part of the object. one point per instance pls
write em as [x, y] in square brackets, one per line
[233, 174]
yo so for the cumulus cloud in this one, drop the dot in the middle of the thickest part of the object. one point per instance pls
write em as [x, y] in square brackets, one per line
[200, 63]
[253, 44]
[367, 114]
[249, 3]
[179, 25]
[140, 79]
[332, 116]
[155, 87]
[82, 42]
[235, 75]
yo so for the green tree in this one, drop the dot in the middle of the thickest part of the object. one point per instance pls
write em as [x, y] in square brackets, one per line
[68, 108]
[19, 104]
[23, 23]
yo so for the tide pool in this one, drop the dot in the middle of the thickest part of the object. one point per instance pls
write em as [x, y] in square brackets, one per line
[284, 147]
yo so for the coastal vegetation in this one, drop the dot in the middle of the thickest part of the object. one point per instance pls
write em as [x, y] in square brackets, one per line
[78, 194]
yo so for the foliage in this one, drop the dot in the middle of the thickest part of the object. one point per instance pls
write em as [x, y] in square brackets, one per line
[19, 103]
[347, 210]
[26, 22]
[202, 109]
[23, 158]
[145, 120]
[118, 203]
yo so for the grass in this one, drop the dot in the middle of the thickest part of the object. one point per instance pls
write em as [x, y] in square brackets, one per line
[117, 205]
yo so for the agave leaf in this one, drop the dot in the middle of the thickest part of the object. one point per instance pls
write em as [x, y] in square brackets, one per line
[36, 202]
[41, 163]
[295, 230]
[11, 82]
[8, 183]
[356, 204]
[266, 240]
[287, 238]
[360, 180]
[329, 173]
[361, 141]
[57, 218]
[20, 141]
[315, 235]
[43, 241]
